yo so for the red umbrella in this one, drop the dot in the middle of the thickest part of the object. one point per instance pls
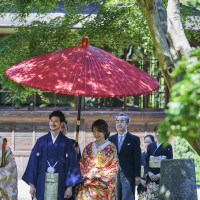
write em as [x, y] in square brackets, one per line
[82, 70]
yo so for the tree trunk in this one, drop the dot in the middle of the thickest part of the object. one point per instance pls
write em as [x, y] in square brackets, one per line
[151, 14]
[195, 144]
[175, 28]
[169, 40]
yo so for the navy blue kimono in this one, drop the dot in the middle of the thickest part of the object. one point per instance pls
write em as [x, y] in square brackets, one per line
[79, 154]
[78, 157]
[152, 150]
[67, 166]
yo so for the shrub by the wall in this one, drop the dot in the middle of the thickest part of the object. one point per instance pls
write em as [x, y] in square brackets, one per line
[184, 150]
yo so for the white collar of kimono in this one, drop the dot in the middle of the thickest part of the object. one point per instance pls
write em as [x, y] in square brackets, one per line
[95, 149]
[53, 138]
[158, 144]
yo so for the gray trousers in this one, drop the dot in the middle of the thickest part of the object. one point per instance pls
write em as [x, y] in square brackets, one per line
[124, 191]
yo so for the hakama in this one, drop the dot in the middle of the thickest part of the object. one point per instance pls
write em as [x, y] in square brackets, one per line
[67, 166]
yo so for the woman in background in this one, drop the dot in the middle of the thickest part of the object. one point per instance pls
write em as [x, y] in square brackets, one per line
[8, 172]
[156, 152]
[99, 165]
[142, 186]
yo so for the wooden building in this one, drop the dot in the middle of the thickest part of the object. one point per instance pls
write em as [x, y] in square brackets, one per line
[22, 128]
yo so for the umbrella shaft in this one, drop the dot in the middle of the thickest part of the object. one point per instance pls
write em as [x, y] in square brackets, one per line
[78, 117]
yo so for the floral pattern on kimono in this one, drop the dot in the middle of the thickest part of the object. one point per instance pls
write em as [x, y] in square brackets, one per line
[153, 191]
[8, 174]
[99, 172]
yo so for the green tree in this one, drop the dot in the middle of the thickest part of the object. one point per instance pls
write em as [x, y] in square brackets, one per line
[183, 114]
[184, 150]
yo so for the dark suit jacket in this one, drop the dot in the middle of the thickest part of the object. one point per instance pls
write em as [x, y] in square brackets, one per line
[129, 156]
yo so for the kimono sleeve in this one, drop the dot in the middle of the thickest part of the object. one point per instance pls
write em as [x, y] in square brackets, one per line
[30, 174]
[73, 173]
[8, 175]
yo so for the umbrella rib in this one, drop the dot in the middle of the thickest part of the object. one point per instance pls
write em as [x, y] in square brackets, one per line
[95, 67]
[106, 75]
[128, 79]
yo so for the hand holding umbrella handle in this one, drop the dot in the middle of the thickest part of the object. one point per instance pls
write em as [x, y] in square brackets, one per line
[75, 144]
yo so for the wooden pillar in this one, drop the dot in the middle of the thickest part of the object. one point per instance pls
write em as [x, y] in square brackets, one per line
[34, 101]
[13, 137]
[13, 99]
[54, 98]
[104, 103]
[83, 104]
[125, 103]
[34, 134]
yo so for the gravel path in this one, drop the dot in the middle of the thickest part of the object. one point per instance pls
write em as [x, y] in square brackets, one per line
[23, 191]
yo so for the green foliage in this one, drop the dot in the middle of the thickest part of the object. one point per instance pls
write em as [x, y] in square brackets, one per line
[117, 24]
[183, 113]
[184, 150]
[112, 29]
[192, 3]
[30, 41]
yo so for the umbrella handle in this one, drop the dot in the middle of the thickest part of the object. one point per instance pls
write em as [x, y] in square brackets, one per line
[78, 119]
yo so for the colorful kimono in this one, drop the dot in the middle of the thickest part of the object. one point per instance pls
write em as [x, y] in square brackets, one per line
[153, 158]
[142, 191]
[99, 172]
[8, 172]
[60, 154]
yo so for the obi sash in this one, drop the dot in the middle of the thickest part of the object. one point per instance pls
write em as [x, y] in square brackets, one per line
[51, 186]
[154, 162]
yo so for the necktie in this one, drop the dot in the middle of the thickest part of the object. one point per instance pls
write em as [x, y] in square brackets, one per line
[120, 142]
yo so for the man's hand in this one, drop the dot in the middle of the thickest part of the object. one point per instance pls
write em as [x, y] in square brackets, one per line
[137, 180]
[32, 190]
[68, 192]
[76, 149]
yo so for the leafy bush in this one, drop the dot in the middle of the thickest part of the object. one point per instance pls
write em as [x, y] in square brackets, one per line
[183, 113]
[184, 150]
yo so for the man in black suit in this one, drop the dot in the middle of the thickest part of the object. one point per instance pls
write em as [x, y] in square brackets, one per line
[129, 154]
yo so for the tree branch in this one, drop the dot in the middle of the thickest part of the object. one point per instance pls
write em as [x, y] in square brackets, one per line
[146, 3]
[175, 28]
[163, 20]
[195, 144]
[89, 13]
